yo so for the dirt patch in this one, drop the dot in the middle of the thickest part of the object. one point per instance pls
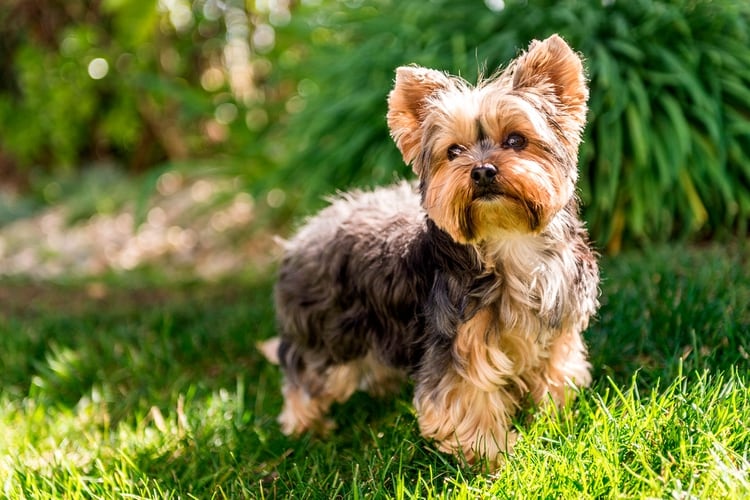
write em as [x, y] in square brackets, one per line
[205, 226]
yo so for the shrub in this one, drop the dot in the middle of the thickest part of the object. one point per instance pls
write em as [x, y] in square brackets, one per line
[136, 82]
[667, 149]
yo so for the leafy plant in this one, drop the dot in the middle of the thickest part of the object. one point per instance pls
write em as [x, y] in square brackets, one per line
[136, 82]
[667, 151]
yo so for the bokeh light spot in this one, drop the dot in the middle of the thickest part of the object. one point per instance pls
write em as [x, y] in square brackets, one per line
[98, 68]
[225, 113]
[275, 198]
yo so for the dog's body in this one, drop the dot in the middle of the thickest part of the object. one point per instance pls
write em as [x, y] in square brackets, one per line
[477, 283]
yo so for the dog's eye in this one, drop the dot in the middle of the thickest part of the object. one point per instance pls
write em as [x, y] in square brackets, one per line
[515, 141]
[453, 151]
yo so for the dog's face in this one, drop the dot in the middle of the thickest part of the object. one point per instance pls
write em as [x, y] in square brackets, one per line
[498, 157]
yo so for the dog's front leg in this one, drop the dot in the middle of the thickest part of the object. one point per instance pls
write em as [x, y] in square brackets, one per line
[465, 420]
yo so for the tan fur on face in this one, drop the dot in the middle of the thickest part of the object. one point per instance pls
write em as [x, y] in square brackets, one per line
[535, 189]
[541, 94]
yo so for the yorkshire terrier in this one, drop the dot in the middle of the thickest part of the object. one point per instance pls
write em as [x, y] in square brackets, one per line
[477, 283]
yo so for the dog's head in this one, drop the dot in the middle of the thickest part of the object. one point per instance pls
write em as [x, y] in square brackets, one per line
[498, 156]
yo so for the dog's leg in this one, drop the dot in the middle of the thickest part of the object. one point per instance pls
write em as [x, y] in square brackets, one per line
[301, 411]
[566, 370]
[467, 406]
[307, 401]
[378, 379]
[309, 396]
[466, 420]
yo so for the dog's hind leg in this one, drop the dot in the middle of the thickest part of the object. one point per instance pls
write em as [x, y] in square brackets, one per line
[311, 385]
[305, 411]
[377, 378]
[310, 392]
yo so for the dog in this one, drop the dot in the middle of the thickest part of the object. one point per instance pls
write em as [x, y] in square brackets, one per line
[476, 281]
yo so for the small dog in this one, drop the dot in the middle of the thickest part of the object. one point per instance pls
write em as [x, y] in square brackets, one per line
[477, 283]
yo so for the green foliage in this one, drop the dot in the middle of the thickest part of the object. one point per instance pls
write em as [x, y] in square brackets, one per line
[137, 82]
[120, 388]
[51, 110]
[667, 151]
[62, 96]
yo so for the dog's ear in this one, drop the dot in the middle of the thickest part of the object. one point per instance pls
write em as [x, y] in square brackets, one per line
[553, 64]
[407, 104]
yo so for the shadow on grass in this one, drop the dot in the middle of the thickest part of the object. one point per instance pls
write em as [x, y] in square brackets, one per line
[59, 342]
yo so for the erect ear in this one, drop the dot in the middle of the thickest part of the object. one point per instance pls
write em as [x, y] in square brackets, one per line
[553, 63]
[407, 104]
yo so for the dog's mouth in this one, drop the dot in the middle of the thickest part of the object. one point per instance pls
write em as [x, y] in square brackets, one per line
[494, 192]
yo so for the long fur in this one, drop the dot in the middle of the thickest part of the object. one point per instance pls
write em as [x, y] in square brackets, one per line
[479, 295]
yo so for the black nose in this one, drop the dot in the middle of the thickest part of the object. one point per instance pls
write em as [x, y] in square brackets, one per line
[483, 175]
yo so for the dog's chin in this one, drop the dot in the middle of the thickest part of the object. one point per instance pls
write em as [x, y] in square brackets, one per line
[497, 212]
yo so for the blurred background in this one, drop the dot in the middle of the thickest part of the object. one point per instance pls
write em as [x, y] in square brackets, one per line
[139, 132]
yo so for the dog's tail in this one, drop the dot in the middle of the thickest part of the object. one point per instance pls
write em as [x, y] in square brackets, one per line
[270, 349]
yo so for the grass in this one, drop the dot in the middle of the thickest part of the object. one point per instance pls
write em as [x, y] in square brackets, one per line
[117, 388]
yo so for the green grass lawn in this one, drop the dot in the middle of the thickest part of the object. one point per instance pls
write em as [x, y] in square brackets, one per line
[120, 389]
